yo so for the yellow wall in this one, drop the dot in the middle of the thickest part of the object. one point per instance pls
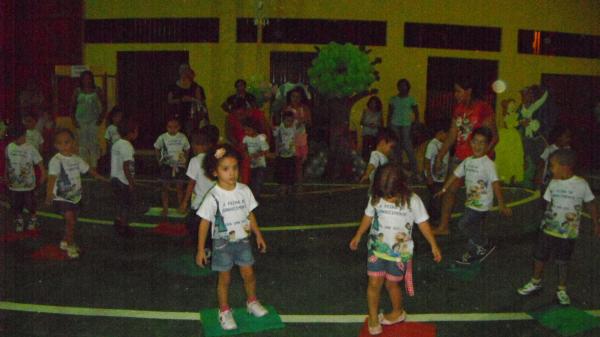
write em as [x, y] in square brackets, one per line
[218, 64]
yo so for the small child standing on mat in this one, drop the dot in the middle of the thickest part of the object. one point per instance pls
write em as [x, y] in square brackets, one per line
[565, 195]
[391, 212]
[228, 206]
[481, 178]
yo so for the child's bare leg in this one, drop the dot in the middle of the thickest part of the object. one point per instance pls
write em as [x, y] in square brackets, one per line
[249, 278]
[70, 219]
[396, 298]
[447, 206]
[165, 199]
[373, 297]
[562, 274]
[538, 269]
[223, 289]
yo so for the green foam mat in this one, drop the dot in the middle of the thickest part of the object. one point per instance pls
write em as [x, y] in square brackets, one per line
[185, 265]
[567, 321]
[157, 211]
[464, 273]
[246, 322]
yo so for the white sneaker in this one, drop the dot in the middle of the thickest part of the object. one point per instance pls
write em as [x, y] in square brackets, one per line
[19, 225]
[563, 297]
[529, 288]
[63, 245]
[73, 251]
[256, 309]
[32, 224]
[226, 320]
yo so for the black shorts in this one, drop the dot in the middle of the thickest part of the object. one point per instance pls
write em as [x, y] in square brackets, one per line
[166, 174]
[63, 207]
[549, 246]
[22, 199]
[123, 196]
[285, 170]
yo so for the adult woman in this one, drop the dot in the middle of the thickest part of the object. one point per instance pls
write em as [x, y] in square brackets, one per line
[403, 110]
[188, 101]
[88, 106]
[371, 121]
[469, 114]
[240, 93]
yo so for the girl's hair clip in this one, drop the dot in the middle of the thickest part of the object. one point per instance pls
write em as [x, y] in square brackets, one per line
[220, 153]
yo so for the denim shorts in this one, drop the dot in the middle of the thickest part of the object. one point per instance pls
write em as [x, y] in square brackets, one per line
[391, 270]
[225, 254]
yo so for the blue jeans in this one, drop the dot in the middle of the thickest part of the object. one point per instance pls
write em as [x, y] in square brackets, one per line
[471, 224]
[404, 143]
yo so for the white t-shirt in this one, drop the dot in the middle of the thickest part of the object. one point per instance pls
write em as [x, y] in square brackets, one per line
[286, 139]
[479, 175]
[20, 161]
[112, 134]
[545, 156]
[172, 148]
[228, 211]
[377, 159]
[120, 152]
[256, 144]
[34, 137]
[68, 171]
[391, 229]
[433, 148]
[565, 202]
[203, 184]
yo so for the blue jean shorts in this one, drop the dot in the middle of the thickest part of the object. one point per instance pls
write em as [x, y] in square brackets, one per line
[391, 270]
[225, 254]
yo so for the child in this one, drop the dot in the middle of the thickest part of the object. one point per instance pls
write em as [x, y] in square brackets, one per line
[64, 185]
[285, 166]
[391, 212]
[435, 180]
[565, 195]
[480, 178]
[297, 104]
[257, 147]
[171, 151]
[386, 141]
[371, 121]
[21, 157]
[112, 133]
[560, 137]
[403, 111]
[33, 136]
[203, 140]
[228, 206]
[122, 174]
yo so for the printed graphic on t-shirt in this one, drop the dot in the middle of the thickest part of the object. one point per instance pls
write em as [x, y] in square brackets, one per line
[464, 127]
[65, 188]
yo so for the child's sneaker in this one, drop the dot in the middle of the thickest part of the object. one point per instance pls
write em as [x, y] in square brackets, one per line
[226, 320]
[63, 245]
[466, 259]
[563, 297]
[529, 288]
[256, 309]
[19, 225]
[484, 252]
[73, 251]
[32, 224]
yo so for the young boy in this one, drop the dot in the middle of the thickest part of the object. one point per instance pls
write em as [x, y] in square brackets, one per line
[481, 178]
[435, 180]
[171, 152]
[21, 157]
[256, 147]
[122, 173]
[386, 141]
[565, 195]
[203, 140]
[285, 167]
[34, 137]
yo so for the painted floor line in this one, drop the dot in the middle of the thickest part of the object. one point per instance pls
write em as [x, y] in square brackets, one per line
[194, 316]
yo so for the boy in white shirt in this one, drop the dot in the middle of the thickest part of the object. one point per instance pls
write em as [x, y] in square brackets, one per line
[122, 175]
[172, 149]
[257, 148]
[285, 167]
[386, 141]
[481, 178]
[21, 158]
[566, 194]
[34, 137]
[435, 180]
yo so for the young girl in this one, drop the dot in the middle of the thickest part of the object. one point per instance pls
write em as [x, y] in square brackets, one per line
[112, 133]
[296, 99]
[371, 121]
[64, 185]
[391, 212]
[228, 206]
[172, 149]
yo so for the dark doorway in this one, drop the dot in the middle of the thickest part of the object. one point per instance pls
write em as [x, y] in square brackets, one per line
[143, 81]
[442, 72]
[576, 96]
